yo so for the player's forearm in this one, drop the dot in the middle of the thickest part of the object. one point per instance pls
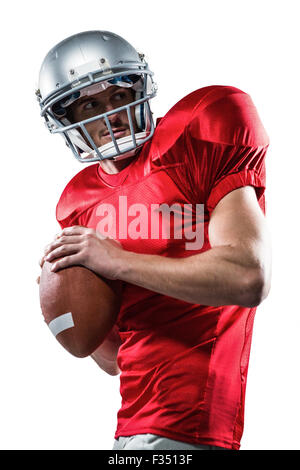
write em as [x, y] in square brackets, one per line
[106, 354]
[222, 275]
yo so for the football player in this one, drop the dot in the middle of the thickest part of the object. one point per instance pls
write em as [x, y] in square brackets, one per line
[182, 338]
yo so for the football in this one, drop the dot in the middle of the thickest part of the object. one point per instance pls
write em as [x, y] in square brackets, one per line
[79, 307]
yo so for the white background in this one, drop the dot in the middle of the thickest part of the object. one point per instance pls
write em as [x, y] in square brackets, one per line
[48, 398]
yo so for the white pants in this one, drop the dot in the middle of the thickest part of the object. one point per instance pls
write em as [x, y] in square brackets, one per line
[153, 442]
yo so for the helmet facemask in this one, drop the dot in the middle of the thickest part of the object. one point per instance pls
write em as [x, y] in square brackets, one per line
[76, 134]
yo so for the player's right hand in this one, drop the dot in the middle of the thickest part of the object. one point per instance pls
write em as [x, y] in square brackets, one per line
[42, 260]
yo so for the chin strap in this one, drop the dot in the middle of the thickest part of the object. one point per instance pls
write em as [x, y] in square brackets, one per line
[108, 150]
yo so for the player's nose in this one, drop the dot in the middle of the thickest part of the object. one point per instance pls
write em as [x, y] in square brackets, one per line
[108, 106]
[114, 120]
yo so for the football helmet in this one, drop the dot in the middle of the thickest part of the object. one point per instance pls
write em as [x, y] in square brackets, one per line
[85, 64]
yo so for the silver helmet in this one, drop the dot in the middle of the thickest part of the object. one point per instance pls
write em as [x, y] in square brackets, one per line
[85, 64]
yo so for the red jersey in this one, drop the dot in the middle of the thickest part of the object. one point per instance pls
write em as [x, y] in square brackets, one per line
[183, 366]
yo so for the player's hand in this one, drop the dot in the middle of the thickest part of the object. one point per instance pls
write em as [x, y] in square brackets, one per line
[83, 246]
[41, 262]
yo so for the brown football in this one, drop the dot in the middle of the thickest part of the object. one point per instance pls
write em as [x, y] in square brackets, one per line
[79, 307]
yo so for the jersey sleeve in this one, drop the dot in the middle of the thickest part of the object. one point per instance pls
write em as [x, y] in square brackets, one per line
[66, 210]
[79, 194]
[227, 145]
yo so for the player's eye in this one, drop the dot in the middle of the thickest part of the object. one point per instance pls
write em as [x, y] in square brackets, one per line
[90, 105]
[118, 96]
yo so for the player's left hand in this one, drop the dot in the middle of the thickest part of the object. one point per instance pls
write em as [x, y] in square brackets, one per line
[83, 246]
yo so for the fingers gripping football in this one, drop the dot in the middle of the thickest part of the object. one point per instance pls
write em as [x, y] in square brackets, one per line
[83, 246]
